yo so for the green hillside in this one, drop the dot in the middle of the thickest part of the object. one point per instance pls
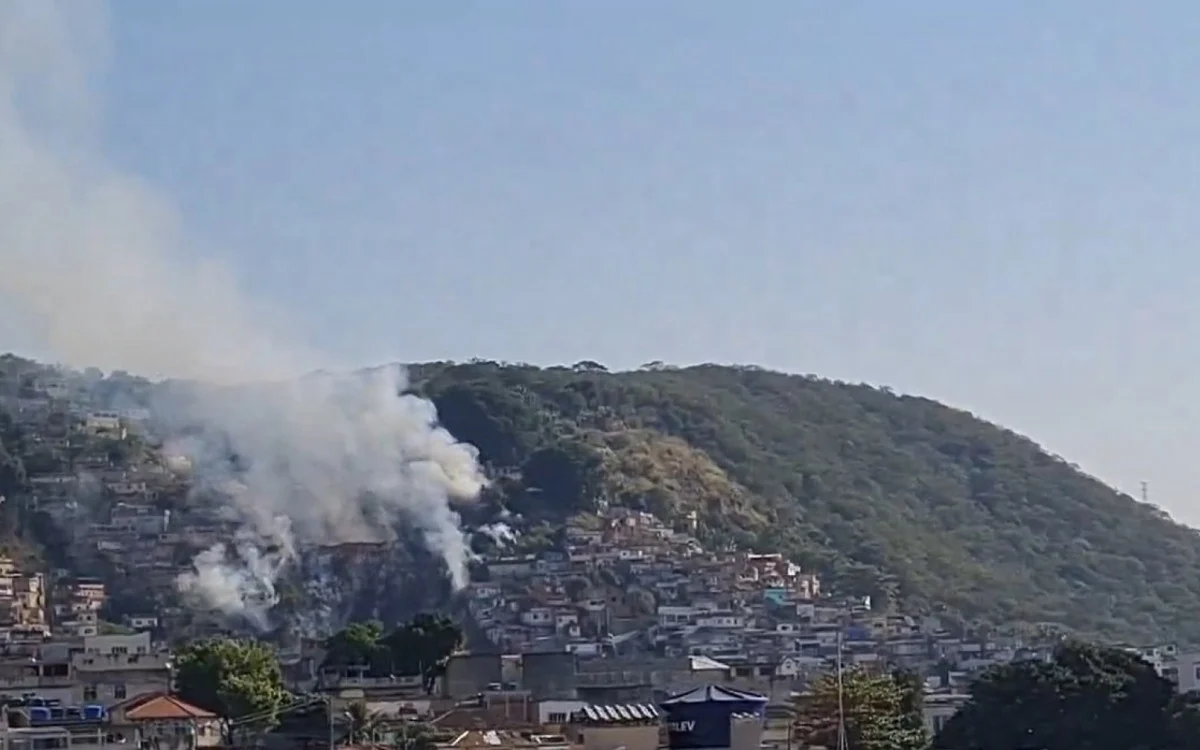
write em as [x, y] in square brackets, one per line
[898, 497]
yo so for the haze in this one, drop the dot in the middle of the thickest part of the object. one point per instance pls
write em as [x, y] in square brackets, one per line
[991, 204]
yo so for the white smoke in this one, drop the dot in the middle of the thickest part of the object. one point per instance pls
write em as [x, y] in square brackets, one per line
[501, 534]
[244, 588]
[95, 269]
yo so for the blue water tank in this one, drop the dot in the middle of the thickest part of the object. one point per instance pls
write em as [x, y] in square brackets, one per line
[39, 713]
[93, 712]
[57, 713]
[37, 700]
[700, 719]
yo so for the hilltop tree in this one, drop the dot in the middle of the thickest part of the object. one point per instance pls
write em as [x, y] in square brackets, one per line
[878, 711]
[230, 677]
[565, 473]
[1087, 696]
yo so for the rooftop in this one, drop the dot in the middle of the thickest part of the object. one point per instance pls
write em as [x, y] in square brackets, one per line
[160, 707]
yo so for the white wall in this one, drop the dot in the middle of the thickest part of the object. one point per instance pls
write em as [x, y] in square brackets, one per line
[565, 708]
[1189, 671]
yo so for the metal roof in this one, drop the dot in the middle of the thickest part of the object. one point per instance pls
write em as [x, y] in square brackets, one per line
[625, 712]
[715, 694]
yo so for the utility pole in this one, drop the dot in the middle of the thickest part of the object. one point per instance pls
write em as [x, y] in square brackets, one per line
[1145, 492]
[841, 704]
[329, 711]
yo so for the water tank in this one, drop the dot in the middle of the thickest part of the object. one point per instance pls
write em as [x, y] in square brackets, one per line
[701, 719]
[93, 712]
[57, 713]
[39, 714]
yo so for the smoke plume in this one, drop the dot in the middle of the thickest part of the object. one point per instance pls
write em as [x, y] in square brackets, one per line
[96, 271]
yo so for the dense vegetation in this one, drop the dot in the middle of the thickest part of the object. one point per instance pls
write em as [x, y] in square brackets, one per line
[422, 646]
[915, 504]
[877, 712]
[1085, 697]
[896, 497]
[231, 678]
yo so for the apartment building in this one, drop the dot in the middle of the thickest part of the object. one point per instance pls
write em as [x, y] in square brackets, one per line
[113, 668]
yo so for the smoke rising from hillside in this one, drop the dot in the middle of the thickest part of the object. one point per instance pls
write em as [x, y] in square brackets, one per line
[96, 271]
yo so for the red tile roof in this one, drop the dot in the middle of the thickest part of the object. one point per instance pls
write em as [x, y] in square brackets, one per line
[159, 707]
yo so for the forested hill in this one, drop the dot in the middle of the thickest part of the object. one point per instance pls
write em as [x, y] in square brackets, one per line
[894, 496]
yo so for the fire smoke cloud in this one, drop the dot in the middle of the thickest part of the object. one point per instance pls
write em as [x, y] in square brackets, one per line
[96, 271]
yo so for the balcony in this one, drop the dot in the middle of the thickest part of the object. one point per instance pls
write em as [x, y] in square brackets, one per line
[121, 662]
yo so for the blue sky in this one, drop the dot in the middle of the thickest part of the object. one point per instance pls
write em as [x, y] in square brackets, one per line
[993, 204]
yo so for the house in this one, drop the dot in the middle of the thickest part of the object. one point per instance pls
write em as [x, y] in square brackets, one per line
[104, 423]
[113, 668]
[163, 720]
[939, 707]
[142, 622]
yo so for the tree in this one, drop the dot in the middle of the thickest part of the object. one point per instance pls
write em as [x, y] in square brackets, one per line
[424, 646]
[12, 473]
[1087, 696]
[415, 736]
[364, 723]
[566, 473]
[357, 645]
[877, 708]
[421, 647]
[230, 677]
[912, 703]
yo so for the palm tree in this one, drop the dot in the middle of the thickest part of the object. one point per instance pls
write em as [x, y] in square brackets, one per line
[364, 723]
[413, 736]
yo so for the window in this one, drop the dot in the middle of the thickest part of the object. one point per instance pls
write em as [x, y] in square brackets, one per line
[89, 692]
[119, 692]
[555, 717]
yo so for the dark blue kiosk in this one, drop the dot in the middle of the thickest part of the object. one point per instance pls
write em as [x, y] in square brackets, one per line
[714, 718]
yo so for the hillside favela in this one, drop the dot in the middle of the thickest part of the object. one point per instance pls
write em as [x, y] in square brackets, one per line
[696, 558]
[609, 375]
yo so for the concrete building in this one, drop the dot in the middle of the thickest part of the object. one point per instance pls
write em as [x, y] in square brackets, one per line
[634, 727]
[471, 674]
[114, 668]
[938, 709]
[550, 676]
